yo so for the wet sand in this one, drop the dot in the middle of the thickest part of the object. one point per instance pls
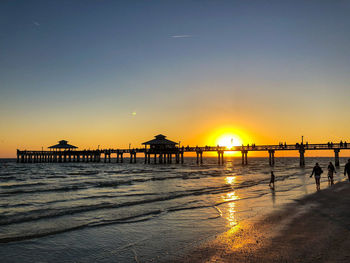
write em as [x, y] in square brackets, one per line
[315, 228]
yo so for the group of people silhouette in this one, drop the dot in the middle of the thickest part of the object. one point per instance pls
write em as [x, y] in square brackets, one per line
[317, 171]
[282, 145]
[252, 146]
[341, 144]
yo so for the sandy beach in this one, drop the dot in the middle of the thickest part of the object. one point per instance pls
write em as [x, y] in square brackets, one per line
[315, 228]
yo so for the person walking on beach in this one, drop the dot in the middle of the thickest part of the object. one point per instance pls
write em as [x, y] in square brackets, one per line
[347, 169]
[272, 180]
[331, 171]
[317, 171]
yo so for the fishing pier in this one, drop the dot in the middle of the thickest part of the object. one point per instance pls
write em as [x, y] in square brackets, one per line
[163, 151]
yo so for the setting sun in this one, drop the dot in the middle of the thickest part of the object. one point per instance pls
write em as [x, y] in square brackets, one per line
[228, 136]
[229, 140]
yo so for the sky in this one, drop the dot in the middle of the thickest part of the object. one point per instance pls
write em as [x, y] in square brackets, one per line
[114, 73]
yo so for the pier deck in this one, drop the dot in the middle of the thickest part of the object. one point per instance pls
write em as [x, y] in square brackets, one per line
[166, 155]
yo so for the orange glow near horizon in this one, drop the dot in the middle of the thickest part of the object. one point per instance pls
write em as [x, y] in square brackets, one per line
[89, 137]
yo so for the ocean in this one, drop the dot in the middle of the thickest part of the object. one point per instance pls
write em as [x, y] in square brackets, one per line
[97, 212]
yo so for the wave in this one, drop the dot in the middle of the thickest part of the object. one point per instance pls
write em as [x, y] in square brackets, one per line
[67, 200]
[84, 173]
[37, 188]
[21, 185]
[141, 217]
[125, 220]
[37, 235]
[97, 184]
[42, 190]
[43, 213]
[56, 176]
[7, 177]
[14, 205]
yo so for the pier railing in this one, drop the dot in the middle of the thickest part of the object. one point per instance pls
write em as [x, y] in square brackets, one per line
[166, 155]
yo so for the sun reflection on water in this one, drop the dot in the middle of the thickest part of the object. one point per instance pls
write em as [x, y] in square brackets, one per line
[231, 208]
[231, 204]
[230, 179]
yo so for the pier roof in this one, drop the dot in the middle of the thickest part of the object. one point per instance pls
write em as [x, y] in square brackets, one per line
[160, 140]
[63, 144]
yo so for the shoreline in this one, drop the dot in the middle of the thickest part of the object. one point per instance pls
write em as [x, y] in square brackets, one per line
[315, 228]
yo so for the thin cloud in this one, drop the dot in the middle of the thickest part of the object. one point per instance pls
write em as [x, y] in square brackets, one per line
[181, 36]
[36, 23]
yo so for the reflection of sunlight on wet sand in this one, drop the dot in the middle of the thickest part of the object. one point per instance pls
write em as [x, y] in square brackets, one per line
[231, 205]
[231, 211]
[230, 179]
[231, 197]
[240, 234]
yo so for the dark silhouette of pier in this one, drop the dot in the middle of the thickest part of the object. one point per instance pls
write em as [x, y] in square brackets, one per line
[164, 151]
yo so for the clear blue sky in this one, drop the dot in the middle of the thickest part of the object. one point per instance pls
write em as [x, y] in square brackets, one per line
[259, 66]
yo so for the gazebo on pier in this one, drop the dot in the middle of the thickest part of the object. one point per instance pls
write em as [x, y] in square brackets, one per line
[63, 145]
[160, 143]
[164, 148]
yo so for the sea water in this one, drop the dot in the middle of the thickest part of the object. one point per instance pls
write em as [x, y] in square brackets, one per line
[97, 212]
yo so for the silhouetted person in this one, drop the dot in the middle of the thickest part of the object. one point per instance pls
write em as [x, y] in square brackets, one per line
[345, 144]
[331, 171]
[347, 169]
[341, 144]
[272, 180]
[317, 171]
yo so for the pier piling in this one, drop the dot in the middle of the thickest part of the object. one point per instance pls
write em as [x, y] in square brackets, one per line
[302, 157]
[272, 157]
[336, 157]
[244, 157]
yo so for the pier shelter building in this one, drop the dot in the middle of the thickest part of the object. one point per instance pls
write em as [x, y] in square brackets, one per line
[162, 148]
[160, 143]
[63, 145]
